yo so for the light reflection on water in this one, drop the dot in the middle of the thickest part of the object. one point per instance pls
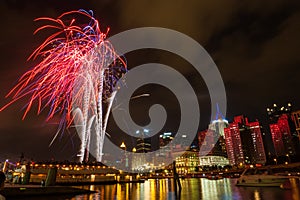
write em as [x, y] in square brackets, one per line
[194, 188]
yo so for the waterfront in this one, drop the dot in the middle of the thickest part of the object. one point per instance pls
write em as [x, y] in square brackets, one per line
[193, 188]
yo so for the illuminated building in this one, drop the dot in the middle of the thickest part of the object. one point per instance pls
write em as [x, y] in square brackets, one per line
[213, 161]
[277, 141]
[259, 156]
[211, 149]
[218, 126]
[164, 140]
[207, 140]
[288, 125]
[234, 144]
[296, 120]
[212, 142]
[188, 162]
[282, 138]
[284, 126]
[165, 150]
[143, 145]
[275, 112]
[244, 142]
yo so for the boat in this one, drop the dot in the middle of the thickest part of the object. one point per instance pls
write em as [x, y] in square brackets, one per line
[260, 178]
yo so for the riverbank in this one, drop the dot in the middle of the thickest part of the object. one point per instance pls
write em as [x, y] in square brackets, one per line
[17, 190]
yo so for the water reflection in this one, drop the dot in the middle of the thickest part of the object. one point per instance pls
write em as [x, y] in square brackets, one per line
[216, 189]
[191, 189]
[256, 195]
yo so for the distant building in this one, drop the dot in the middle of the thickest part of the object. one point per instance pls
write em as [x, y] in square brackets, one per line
[212, 143]
[296, 120]
[276, 111]
[284, 127]
[188, 162]
[207, 140]
[164, 140]
[213, 161]
[234, 144]
[277, 139]
[165, 149]
[282, 138]
[244, 142]
[143, 145]
[218, 127]
[139, 161]
[259, 150]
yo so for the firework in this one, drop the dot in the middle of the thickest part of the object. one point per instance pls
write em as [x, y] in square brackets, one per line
[75, 78]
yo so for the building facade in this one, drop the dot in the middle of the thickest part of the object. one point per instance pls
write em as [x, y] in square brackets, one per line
[296, 120]
[282, 137]
[244, 142]
[234, 144]
[259, 150]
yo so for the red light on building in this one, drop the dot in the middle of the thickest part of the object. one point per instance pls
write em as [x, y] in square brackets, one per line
[259, 150]
[284, 125]
[240, 119]
[277, 139]
[206, 141]
[234, 144]
[281, 136]
[296, 120]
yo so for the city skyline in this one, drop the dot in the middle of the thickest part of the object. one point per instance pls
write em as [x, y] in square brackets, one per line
[253, 44]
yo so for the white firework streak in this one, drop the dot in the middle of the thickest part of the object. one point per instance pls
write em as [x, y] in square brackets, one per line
[89, 114]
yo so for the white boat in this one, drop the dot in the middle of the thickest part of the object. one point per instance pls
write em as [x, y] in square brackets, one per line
[260, 178]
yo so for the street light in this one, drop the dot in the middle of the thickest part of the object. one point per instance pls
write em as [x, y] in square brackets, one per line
[289, 159]
[275, 160]
[123, 146]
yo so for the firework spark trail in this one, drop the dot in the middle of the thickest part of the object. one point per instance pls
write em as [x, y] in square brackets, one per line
[78, 67]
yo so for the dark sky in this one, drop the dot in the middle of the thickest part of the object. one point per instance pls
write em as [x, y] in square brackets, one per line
[254, 44]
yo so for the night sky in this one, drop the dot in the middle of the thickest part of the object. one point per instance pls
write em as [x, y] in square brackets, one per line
[254, 44]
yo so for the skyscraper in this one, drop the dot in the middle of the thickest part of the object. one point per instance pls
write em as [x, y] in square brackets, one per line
[284, 120]
[296, 120]
[234, 144]
[259, 150]
[275, 112]
[277, 139]
[244, 142]
[282, 138]
[212, 143]
[218, 127]
[165, 149]
[143, 145]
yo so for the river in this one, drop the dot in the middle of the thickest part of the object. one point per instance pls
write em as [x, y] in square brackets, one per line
[192, 189]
